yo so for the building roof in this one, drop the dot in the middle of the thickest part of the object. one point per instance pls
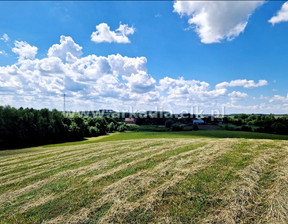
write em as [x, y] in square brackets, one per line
[130, 119]
[198, 121]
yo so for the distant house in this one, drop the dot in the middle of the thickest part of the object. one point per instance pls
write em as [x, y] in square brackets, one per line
[219, 120]
[199, 121]
[130, 120]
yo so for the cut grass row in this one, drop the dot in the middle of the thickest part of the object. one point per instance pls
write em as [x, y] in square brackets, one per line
[146, 135]
[205, 193]
[78, 188]
[145, 180]
[77, 163]
[186, 201]
[176, 135]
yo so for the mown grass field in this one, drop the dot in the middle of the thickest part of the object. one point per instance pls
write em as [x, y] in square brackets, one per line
[184, 177]
[176, 135]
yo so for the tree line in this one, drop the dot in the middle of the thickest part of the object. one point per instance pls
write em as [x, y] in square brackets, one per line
[30, 127]
[258, 123]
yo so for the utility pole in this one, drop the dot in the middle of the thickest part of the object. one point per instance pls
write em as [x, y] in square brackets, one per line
[64, 95]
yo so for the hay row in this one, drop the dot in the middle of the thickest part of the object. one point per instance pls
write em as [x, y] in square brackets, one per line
[239, 199]
[64, 160]
[120, 191]
[8, 196]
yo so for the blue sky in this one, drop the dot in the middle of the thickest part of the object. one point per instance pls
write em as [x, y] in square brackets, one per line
[169, 55]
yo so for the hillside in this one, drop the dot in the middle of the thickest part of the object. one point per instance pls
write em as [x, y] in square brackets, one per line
[164, 179]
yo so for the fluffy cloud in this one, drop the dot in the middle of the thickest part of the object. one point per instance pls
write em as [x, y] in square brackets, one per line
[24, 50]
[219, 20]
[282, 15]
[140, 82]
[92, 82]
[280, 98]
[5, 37]
[242, 82]
[3, 52]
[104, 34]
[236, 96]
[191, 90]
[66, 50]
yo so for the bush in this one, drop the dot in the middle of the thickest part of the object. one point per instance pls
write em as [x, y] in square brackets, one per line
[101, 124]
[75, 132]
[279, 128]
[168, 123]
[111, 127]
[245, 128]
[177, 127]
[195, 127]
[132, 128]
[238, 122]
[93, 132]
[122, 128]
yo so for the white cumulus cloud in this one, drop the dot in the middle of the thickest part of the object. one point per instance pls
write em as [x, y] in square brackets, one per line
[66, 50]
[104, 34]
[281, 16]
[92, 82]
[242, 82]
[280, 98]
[24, 50]
[141, 82]
[236, 95]
[5, 37]
[218, 20]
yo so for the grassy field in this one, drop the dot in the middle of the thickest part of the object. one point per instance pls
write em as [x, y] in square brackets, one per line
[145, 177]
[175, 135]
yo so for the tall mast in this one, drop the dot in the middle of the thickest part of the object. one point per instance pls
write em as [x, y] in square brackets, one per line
[64, 95]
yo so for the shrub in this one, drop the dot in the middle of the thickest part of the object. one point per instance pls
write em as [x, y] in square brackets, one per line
[245, 128]
[169, 123]
[93, 132]
[122, 128]
[75, 132]
[279, 128]
[195, 127]
[111, 127]
[132, 128]
[177, 127]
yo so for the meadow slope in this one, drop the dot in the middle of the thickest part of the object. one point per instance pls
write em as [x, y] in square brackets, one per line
[151, 180]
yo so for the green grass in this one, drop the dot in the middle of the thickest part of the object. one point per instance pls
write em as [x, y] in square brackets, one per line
[82, 193]
[123, 177]
[202, 192]
[156, 128]
[130, 135]
[192, 134]
[173, 135]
